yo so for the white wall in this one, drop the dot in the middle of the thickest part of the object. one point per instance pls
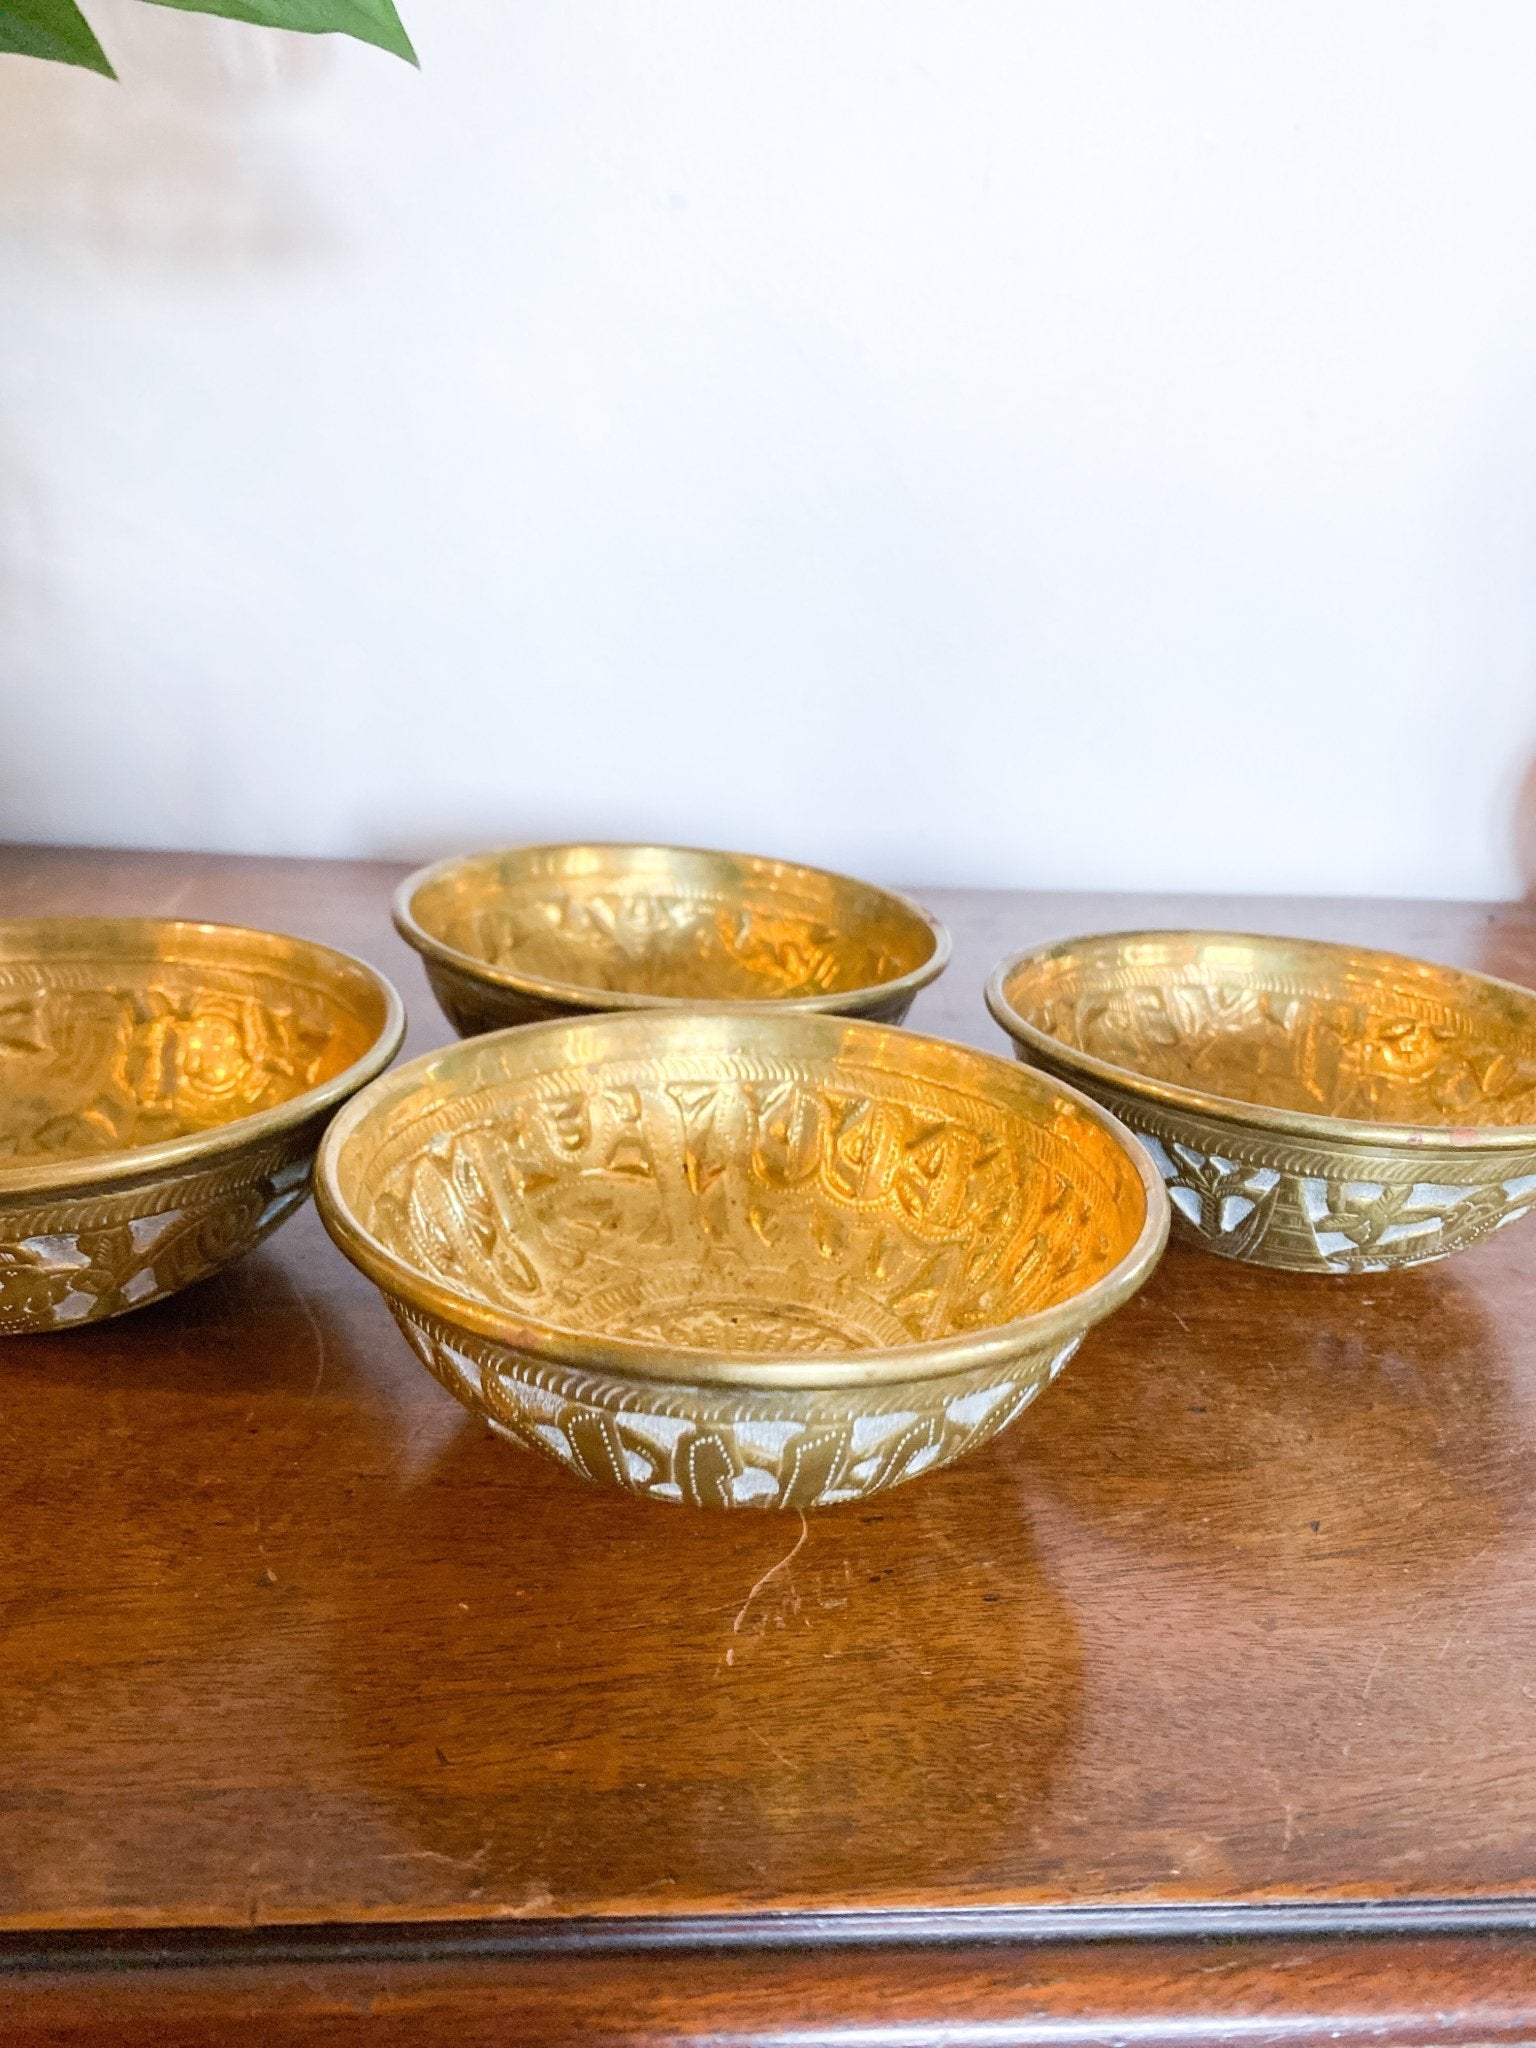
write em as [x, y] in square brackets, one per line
[1084, 441]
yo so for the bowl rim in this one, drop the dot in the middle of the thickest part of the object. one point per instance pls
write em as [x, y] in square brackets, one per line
[99, 1171]
[578, 996]
[675, 1365]
[1254, 1116]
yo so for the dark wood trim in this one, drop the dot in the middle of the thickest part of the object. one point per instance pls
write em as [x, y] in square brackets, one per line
[430, 1942]
[1459, 1991]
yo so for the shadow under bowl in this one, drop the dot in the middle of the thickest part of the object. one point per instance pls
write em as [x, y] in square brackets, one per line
[163, 1086]
[1318, 1107]
[735, 1258]
[538, 932]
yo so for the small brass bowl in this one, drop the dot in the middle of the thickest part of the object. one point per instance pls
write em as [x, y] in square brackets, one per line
[1322, 1108]
[163, 1087]
[732, 1258]
[538, 932]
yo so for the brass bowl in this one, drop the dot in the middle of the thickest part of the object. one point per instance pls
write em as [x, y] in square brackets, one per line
[735, 1258]
[163, 1087]
[536, 932]
[1323, 1108]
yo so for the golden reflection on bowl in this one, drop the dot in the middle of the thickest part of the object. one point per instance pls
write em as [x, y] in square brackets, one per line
[1323, 1108]
[537, 932]
[751, 1258]
[163, 1087]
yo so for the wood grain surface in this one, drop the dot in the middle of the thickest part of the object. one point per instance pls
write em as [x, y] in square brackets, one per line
[1241, 1612]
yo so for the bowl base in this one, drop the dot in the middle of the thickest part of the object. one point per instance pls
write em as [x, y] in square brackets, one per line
[702, 1447]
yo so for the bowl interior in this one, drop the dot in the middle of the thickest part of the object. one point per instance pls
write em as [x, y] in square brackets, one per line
[778, 1184]
[1291, 1025]
[117, 1034]
[662, 921]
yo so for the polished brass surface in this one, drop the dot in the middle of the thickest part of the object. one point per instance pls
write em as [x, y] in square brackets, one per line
[162, 1089]
[739, 1258]
[1326, 1108]
[537, 932]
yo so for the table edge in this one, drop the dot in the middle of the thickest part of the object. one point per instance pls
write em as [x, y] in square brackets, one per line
[428, 1941]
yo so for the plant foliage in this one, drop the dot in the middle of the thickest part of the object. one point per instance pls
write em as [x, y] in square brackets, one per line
[56, 29]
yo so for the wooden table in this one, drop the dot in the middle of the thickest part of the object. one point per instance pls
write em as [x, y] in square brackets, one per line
[1202, 1703]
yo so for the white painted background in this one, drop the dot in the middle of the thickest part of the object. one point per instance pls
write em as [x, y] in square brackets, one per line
[1076, 441]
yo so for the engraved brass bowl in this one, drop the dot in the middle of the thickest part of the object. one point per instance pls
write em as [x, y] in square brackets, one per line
[738, 1258]
[536, 932]
[1318, 1107]
[163, 1087]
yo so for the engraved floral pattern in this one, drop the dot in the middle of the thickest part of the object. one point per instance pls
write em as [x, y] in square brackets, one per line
[1268, 1203]
[760, 1209]
[78, 1262]
[667, 943]
[726, 1450]
[98, 1067]
[1425, 1050]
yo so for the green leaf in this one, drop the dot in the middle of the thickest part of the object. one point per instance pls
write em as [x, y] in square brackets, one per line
[51, 28]
[370, 21]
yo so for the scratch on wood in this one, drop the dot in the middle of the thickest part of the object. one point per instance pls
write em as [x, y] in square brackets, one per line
[771, 1573]
[317, 1332]
[437, 1856]
[776, 1753]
